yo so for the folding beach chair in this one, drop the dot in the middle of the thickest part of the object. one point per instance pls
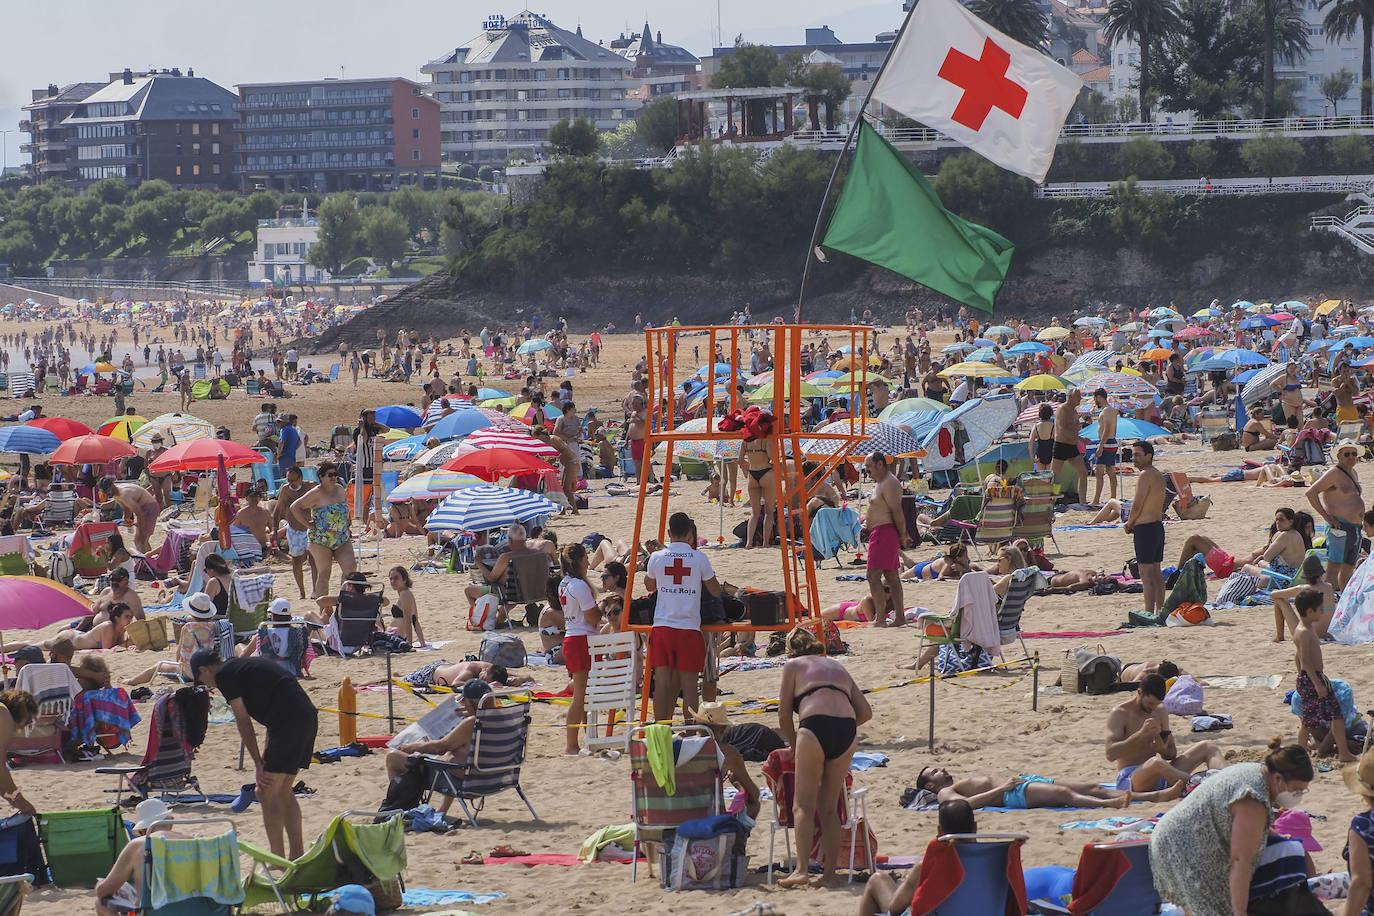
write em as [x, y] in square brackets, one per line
[1131, 893]
[103, 719]
[174, 555]
[527, 583]
[996, 520]
[961, 521]
[209, 864]
[1024, 583]
[1214, 423]
[166, 765]
[357, 616]
[53, 688]
[992, 883]
[780, 771]
[81, 846]
[198, 371]
[373, 855]
[267, 470]
[59, 511]
[610, 689]
[249, 598]
[698, 790]
[334, 372]
[88, 548]
[495, 755]
[16, 555]
[1185, 504]
[13, 890]
[252, 388]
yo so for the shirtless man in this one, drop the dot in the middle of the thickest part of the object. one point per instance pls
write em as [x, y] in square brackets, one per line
[634, 434]
[1146, 524]
[453, 746]
[1345, 388]
[569, 454]
[887, 534]
[1066, 440]
[459, 673]
[1108, 449]
[1142, 746]
[1027, 791]
[1337, 497]
[139, 503]
[933, 384]
[120, 591]
[288, 527]
[254, 518]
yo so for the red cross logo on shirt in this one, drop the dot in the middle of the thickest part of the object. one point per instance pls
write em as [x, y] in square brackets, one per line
[677, 571]
[985, 85]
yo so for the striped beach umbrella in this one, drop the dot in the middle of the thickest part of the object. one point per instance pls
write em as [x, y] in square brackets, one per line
[484, 507]
[1052, 333]
[29, 440]
[174, 427]
[432, 458]
[431, 485]
[703, 449]
[437, 410]
[512, 439]
[879, 436]
[122, 427]
[972, 370]
[907, 405]
[1122, 386]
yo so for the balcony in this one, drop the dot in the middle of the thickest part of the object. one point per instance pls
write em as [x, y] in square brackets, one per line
[344, 101]
[27, 147]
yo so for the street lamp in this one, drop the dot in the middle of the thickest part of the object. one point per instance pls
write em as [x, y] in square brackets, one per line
[4, 151]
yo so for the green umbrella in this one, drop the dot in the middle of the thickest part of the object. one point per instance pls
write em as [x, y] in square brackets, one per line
[907, 405]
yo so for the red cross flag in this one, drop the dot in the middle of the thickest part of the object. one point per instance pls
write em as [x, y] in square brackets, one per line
[952, 71]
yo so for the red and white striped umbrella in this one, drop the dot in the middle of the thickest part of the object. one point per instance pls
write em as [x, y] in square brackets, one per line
[1121, 385]
[514, 440]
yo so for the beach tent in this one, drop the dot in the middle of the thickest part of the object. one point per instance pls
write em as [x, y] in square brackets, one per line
[1353, 623]
[984, 420]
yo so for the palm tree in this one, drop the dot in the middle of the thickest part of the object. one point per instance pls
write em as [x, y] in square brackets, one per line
[1145, 22]
[1343, 18]
[1023, 20]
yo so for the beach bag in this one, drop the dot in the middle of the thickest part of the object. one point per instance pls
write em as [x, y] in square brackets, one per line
[1225, 442]
[1189, 614]
[1195, 510]
[1238, 587]
[705, 854]
[1184, 697]
[60, 568]
[482, 615]
[642, 609]
[504, 649]
[406, 787]
[1091, 672]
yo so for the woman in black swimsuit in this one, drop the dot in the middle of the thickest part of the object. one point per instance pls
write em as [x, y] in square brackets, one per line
[831, 708]
[756, 458]
[1042, 438]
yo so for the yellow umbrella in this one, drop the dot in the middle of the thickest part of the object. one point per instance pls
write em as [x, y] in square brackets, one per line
[857, 379]
[850, 362]
[807, 390]
[1261, 307]
[1327, 307]
[1042, 382]
[973, 370]
[501, 402]
[394, 434]
[1052, 333]
[105, 367]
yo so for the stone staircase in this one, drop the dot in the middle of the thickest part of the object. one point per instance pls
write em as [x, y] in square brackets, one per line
[1356, 227]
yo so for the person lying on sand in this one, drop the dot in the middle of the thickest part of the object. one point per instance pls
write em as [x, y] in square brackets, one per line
[456, 674]
[952, 564]
[1077, 580]
[1029, 791]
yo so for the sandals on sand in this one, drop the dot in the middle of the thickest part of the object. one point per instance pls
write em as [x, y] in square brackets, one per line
[472, 858]
[505, 851]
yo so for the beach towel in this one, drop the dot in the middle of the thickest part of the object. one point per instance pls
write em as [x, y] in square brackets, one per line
[1098, 872]
[658, 747]
[252, 590]
[245, 544]
[196, 867]
[977, 601]
[1353, 622]
[423, 896]
[863, 760]
[108, 706]
[49, 683]
[942, 873]
[832, 529]
[621, 834]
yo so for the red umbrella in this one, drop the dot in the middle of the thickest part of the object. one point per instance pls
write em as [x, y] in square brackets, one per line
[61, 427]
[92, 449]
[205, 455]
[492, 463]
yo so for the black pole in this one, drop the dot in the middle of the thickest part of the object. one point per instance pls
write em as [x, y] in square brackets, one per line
[849, 141]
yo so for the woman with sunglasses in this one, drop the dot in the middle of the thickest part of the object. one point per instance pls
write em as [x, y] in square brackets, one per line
[323, 512]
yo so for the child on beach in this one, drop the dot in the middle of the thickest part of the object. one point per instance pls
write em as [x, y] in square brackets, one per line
[1320, 709]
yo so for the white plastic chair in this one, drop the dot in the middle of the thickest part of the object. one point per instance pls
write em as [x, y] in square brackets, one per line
[610, 689]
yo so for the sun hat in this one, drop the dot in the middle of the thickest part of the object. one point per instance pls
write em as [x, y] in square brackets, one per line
[354, 898]
[711, 714]
[1359, 776]
[1296, 825]
[149, 812]
[1345, 444]
[201, 605]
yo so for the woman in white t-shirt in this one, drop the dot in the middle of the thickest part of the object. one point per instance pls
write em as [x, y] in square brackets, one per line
[581, 618]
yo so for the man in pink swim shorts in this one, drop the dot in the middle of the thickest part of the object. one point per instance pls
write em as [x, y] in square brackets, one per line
[887, 535]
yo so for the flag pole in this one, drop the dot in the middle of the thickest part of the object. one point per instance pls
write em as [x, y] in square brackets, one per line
[834, 172]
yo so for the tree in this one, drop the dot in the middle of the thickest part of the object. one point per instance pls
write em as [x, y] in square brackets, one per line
[657, 124]
[976, 189]
[574, 138]
[226, 219]
[621, 143]
[150, 190]
[1351, 152]
[1127, 109]
[384, 233]
[109, 191]
[1285, 36]
[1212, 63]
[1024, 20]
[1072, 155]
[264, 204]
[340, 233]
[829, 84]
[145, 218]
[486, 174]
[1093, 107]
[1145, 22]
[1271, 154]
[751, 65]
[469, 216]
[1336, 86]
[467, 171]
[1203, 155]
[1144, 157]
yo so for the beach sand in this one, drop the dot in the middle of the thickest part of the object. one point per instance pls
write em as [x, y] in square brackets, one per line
[983, 723]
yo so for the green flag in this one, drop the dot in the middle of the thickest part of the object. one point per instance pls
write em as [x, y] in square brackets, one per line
[889, 215]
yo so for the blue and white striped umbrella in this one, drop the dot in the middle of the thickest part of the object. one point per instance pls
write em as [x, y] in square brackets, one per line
[537, 345]
[1099, 358]
[437, 410]
[981, 355]
[405, 449]
[486, 507]
[32, 440]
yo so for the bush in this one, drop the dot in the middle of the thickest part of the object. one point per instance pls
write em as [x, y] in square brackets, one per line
[1271, 155]
[1203, 155]
[486, 174]
[1144, 157]
[1351, 152]
[467, 171]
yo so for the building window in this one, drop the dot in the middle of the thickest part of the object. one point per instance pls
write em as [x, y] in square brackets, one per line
[414, 114]
[215, 168]
[179, 150]
[195, 129]
[415, 133]
[214, 129]
[178, 126]
[178, 171]
[415, 155]
[195, 168]
[195, 149]
[214, 149]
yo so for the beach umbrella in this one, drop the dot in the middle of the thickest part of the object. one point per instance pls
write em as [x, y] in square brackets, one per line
[493, 463]
[1090, 321]
[806, 390]
[759, 379]
[1243, 304]
[487, 394]
[399, 416]
[61, 427]
[827, 374]
[105, 367]
[1029, 346]
[1163, 311]
[1282, 316]
[32, 602]
[486, 507]
[1161, 332]
[1233, 358]
[432, 458]
[1131, 326]
[1053, 332]
[1124, 385]
[91, 449]
[1031, 414]
[1042, 382]
[442, 407]
[1194, 333]
[1257, 322]
[972, 370]
[1193, 357]
[703, 449]
[984, 420]
[714, 370]
[1157, 353]
[431, 485]
[1359, 342]
[907, 405]
[531, 347]
[205, 455]
[405, 449]
[1294, 305]
[917, 422]
[122, 427]
[1208, 312]
[879, 436]
[1344, 330]
[720, 397]
[1126, 428]
[999, 330]
[29, 440]
[981, 355]
[1170, 321]
[461, 423]
[1322, 344]
[962, 346]
[850, 362]
[175, 427]
[511, 439]
[1327, 307]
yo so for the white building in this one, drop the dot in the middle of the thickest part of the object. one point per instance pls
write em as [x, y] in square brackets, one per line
[282, 248]
[504, 89]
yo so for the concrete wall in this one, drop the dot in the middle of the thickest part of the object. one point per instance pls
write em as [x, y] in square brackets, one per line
[223, 270]
[18, 294]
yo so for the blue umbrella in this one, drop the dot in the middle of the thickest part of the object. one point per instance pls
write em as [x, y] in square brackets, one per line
[405, 449]
[1344, 330]
[1029, 346]
[32, 440]
[1358, 342]
[1258, 322]
[1242, 304]
[1246, 376]
[960, 347]
[984, 342]
[88, 369]
[717, 369]
[488, 394]
[1232, 359]
[1002, 380]
[999, 330]
[1161, 332]
[1127, 428]
[981, 355]
[459, 424]
[534, 346]
[399, 416]
[1163, 312]
[486, 507]
[1322, 344]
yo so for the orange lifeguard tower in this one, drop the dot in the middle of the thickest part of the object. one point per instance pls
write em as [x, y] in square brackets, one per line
[787, 443]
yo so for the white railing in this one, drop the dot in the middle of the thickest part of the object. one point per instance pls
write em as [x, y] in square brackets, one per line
[1297, 184]
[1350, 227]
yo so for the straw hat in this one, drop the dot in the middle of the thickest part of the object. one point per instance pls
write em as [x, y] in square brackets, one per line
[1359, 776]
[711, 714]
[201, 606]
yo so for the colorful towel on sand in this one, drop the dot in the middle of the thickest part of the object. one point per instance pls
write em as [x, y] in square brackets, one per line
[1241, 682]
[541, 858]
[1116, 824]
[1073, 634]
[423, 896]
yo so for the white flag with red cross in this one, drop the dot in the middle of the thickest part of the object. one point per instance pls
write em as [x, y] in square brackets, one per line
[952, 71]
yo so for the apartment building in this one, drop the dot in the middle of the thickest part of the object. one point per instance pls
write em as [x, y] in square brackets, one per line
[50, 149]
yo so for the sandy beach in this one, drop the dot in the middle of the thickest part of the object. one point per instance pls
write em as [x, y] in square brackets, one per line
[984, 724]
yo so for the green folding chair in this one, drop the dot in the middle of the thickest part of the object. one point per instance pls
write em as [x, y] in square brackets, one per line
[81, 846]
[345, 853]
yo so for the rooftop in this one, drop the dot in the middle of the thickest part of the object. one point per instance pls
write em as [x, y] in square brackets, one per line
[645, 45]
[527, 37]
[162, 97]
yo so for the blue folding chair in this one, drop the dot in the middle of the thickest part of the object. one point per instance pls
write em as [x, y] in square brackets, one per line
[267, 471]
[1134, 893]
[985, 886]
[309, 474]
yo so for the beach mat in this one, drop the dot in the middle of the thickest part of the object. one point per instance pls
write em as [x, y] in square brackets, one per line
[423, 896]
[1241, 682]
[542, 858]
[1073, 634]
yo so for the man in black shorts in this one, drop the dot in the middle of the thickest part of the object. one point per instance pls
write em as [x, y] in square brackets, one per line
[259, 689]
[1146, 524]
[1066, 442]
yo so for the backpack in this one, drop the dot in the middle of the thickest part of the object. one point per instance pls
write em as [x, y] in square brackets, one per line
[1093, 673]
[60, 568]
[482, 614]
[406, 787]
[1189, 614]
[1225, 442]
[505, 649]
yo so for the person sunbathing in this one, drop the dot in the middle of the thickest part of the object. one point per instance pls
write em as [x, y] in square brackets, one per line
[107, 635]
[1283, 553]
[950, 565]
[1265, 475]
[883, 894]
[1030, 791]
[1078, 580]
[442, 674]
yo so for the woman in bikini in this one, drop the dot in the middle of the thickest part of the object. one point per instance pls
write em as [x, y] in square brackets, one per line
[1288, 543]
[1291, 395]
[323, 512]
[1042, 438]
[820, 693]
[403, 609]
[757, 459]
[950, 565]
[107, 635]
[219, 582]
[1255, 436]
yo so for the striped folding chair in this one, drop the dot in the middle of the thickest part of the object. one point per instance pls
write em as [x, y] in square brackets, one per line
[1036, 521]
[1024, 583]
[495, 755]
[997, 520]
[698, 790]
